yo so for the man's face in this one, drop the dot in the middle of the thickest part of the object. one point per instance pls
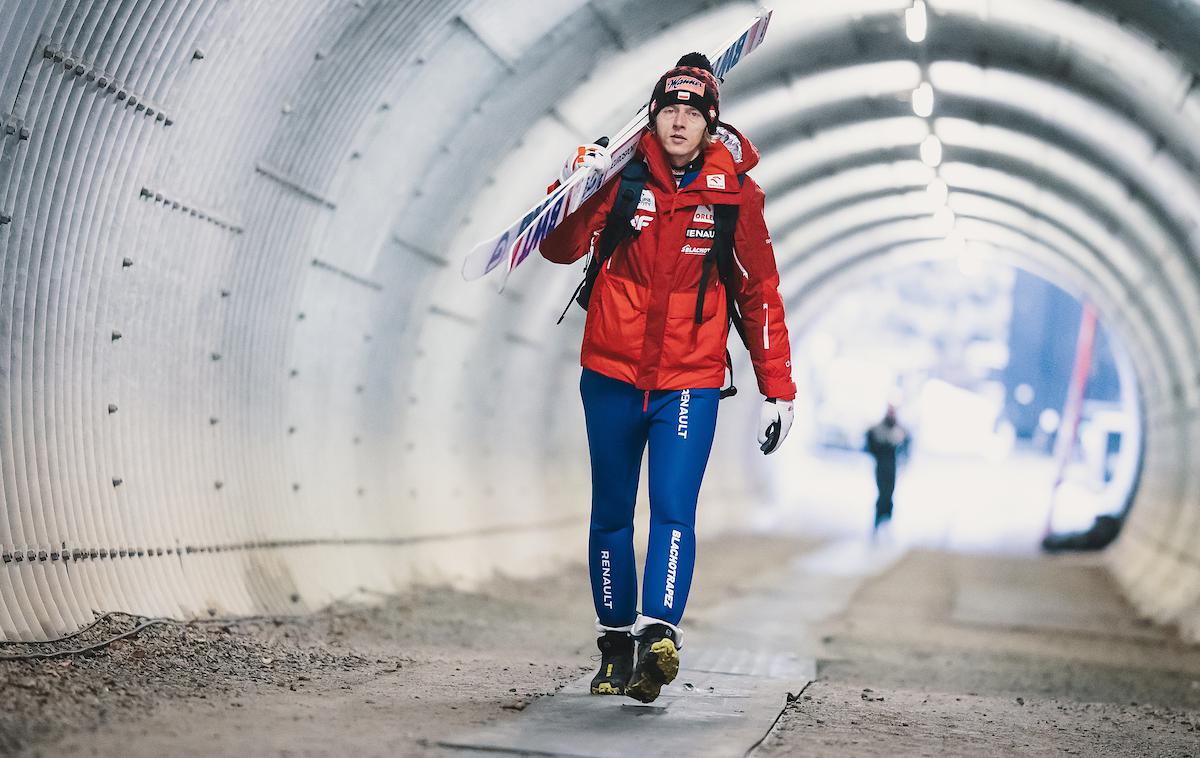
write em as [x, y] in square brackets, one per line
[680, 129]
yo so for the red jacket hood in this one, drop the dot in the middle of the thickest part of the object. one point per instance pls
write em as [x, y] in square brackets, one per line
[741, 149]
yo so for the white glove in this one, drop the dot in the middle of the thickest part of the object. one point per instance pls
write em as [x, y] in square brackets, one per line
[774, 423]
[592, 157]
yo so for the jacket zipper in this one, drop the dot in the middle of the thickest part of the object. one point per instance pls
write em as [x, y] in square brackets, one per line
[766, 323]
[655, 263]
[646, 402]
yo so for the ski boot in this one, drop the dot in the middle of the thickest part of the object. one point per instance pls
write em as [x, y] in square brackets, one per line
[657, 663]
[616, 663]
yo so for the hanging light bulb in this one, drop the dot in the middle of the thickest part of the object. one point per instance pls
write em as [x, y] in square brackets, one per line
[938, 192]
[922, 100]
[916, 22]
[931, 151]
[969, 262]
[943, 221]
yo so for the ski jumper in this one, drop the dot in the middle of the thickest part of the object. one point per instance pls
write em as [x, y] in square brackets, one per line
[652, 374]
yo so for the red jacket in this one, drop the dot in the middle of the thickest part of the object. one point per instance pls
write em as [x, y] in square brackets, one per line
[641, 326]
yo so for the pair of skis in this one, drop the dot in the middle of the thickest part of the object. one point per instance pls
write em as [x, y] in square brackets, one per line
[514, 244]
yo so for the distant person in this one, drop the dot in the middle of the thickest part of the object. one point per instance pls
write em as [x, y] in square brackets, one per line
[654, 356]
[884, 441]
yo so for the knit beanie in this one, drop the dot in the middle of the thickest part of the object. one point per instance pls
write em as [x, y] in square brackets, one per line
[690, 82]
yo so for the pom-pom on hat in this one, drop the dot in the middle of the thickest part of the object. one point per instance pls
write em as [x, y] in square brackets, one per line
[690, 82]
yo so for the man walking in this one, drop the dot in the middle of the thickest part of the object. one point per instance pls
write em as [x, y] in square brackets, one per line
[883, 441]
[672, 267]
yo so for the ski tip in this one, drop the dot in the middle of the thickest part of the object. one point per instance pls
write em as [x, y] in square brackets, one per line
[479, 261]
[471, 270]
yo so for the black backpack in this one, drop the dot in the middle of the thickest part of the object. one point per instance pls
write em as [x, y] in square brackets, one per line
[618, 227]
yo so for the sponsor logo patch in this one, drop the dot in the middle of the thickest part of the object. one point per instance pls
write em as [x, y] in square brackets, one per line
[704, 215]
[672, 568]
[704, 234]
[606, 576]
[716, 181]
[640, 222]
[690, 250]
[646, 203]
[685, 398]
[689, 83]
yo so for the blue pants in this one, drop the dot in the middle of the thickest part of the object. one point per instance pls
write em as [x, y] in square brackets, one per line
[679, 425]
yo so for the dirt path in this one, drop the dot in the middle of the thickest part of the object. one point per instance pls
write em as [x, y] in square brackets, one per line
[941, 655]
[957, 655]
[390, 679]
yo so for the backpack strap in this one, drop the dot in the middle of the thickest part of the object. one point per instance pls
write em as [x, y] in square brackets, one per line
[720, 257]
[617, 228]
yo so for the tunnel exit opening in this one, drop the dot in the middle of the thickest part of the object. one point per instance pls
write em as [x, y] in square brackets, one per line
[1004, 443]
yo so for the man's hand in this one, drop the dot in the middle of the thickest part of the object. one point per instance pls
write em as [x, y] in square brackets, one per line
[774, 423]
[593, 157]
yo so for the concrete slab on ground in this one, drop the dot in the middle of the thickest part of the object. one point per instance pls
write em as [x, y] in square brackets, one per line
[745, 658]
[721, 704]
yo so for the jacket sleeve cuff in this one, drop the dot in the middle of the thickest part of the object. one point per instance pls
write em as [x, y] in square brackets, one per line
[778, 389]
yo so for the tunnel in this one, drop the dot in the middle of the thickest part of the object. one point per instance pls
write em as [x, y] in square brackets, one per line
[242, 373]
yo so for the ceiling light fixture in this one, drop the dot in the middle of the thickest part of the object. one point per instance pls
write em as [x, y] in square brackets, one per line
[922, 100]
[931, 151]
[916, 22]
[969, 264]
[943, 221]
[938, 192]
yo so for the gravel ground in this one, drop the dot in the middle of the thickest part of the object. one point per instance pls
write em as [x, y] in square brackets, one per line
[1040, 659]
[164, 663]
[384, 679]
[941, 655]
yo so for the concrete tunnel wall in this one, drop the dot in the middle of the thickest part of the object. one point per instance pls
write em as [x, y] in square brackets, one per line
[243, 374]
